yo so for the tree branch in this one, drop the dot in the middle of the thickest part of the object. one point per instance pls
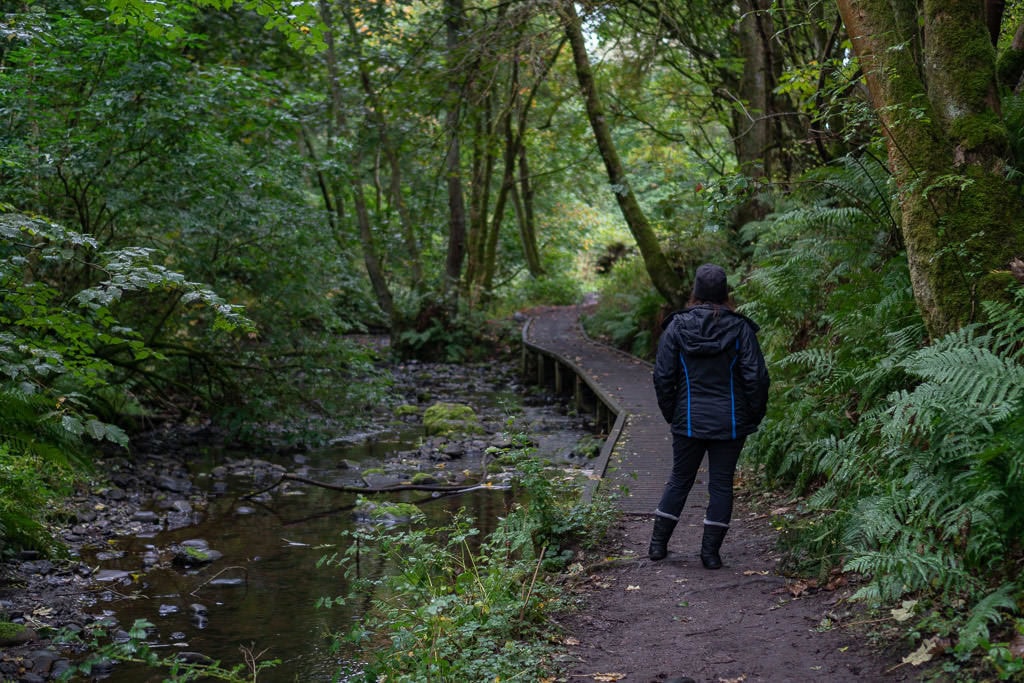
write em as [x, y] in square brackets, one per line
[436, 488]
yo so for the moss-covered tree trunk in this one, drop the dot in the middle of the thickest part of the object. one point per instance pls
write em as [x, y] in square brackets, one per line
[930, 70]
[663, 276]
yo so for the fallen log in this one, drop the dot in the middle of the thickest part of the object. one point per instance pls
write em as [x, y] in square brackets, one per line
[346, 488]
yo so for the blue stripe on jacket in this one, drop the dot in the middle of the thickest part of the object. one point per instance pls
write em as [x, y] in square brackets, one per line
[732, 388]
[689, 403]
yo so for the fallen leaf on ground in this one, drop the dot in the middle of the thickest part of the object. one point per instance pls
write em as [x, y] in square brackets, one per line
[922, 654]
[738, 679]
[609, 677]
[571, 641]
[837, 581]
[632, 588]
[905, 611]
[754, 572]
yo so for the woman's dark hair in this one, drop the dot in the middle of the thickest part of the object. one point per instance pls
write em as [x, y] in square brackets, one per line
[728, 303]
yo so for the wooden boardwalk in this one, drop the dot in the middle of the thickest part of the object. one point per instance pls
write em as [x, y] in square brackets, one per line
[638, 451]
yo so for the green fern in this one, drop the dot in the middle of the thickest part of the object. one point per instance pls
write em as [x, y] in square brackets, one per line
[911, 454]
[989, 610]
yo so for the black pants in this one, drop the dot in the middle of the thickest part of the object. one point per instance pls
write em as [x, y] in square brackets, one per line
[687, 455]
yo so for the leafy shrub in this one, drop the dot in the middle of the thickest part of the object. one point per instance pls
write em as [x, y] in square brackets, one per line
[67, 356]
[446, 611]
[628, 310]
[30, 488]
[562, 289]
[105, 647]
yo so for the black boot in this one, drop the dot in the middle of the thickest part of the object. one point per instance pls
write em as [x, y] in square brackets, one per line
[663, 528]
[711, 544]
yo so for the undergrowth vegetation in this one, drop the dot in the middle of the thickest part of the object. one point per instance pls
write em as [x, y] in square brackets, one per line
[452, 604]
[629, 309]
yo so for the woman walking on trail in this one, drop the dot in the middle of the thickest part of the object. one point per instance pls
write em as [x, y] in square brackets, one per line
[712, 386]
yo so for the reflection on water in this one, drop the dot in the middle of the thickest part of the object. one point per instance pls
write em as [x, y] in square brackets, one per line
[262, 593]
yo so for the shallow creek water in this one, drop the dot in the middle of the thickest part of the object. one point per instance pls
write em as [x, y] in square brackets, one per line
[262, 593]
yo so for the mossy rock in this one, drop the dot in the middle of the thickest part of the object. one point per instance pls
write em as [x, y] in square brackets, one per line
[406, 409]
[421, 478]
[15, 634]
[188, 556]
[451, 418]
[386, 513]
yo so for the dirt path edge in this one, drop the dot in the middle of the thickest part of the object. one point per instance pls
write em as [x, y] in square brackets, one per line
[674, 621]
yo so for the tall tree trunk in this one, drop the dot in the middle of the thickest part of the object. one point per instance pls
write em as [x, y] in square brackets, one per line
[664, 278]
[490, 262]
[336, 123]
[480, 196]
[522, 195]
[931, 77]
[453, 18]
[523, 198]
[371, 259]
[756, 132]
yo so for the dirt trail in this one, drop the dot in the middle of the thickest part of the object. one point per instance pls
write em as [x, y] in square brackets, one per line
[674, 621]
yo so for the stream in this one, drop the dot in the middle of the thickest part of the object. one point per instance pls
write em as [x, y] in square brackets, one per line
[260, 590]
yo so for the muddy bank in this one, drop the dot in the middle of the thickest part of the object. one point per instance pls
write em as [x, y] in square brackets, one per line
[174, 475]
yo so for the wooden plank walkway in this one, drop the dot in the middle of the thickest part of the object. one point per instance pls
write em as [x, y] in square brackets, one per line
[638, 452]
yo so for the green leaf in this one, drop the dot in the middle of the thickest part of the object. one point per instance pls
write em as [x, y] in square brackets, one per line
[72, 424]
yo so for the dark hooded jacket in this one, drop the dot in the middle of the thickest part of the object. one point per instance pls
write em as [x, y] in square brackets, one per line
[710, 376]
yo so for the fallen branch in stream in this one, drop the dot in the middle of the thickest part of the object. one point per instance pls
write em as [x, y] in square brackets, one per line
[434, 488]
[222, 571]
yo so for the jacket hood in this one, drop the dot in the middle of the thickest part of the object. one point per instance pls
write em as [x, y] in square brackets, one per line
[708, 330]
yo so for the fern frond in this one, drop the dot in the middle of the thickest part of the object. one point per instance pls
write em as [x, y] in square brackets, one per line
[28, 422]
[1005, 323]
[988, 610]
[898, 571]
[879, 520]
[974, 374]
[819, 362]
